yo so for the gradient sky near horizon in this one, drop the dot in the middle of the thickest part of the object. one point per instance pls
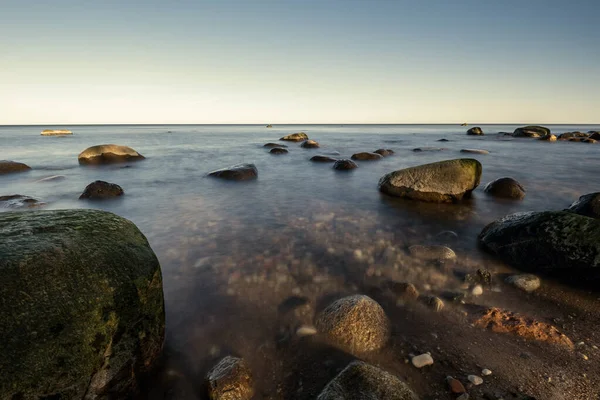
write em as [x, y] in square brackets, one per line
[299, 61]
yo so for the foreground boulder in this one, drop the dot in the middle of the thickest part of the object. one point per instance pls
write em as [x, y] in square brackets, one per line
[19, 201]
[532, 131]
[588, 205]
[364, 156]
[507, 188]
[99, 190]
[239, 172]
[323, 159]
[296, 137]
[344, 165]
[355, 323]
[555, 242]
[310, 144]
[9, 167]
[476, 131]
[56, 132]
[82, 305]
[443, 182]
[230, 379]
[108, 154]
[359, 381]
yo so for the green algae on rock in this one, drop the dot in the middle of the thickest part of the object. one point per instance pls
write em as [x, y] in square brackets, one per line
[82, 311]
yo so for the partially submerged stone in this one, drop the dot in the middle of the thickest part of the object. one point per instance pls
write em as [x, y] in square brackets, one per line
[365, 156]
[587, 205]
[548, 138]
[278, 150]
[19, 201]
[270, 145]
[475, 131]
[474, 151]
[344, 165]
[507, 188]
[322, 159]
[108, 154]
[239, 172]
[309, 144]
[230, 379]
[533, 131]
[99, 190]
[384, 152]
[9, 167]
[56, 132]
[295, 137]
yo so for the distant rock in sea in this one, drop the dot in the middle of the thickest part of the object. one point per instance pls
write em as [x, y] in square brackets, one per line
[278, 150]
[344, 165]
[56, 132]
[320, 158]
[464, 124]
[295, 137]
[268, 145]
[269, 126]
[475, 131]
[365, 156]
[474, 151]
[108, 154]
[532, 131]
[310, 144]
[239, 172]
[384, 152]
[99, 190]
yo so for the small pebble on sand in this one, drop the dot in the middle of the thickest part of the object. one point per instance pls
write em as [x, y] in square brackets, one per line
[477, 290]
[422, 360]
[486, 372]
[475, 380]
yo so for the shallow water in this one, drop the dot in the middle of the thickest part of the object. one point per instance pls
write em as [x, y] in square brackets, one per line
[228, 249]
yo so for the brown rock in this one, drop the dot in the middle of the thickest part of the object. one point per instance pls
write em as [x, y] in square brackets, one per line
[8, 167]
[384, 152]
[108, 154]
[455, 385]
[322, 159]
[101, 190]
[344, 165]
[278, 150]
[270, 145]
[230, 379]
[296, 137]
[310, 144]
[365, 156]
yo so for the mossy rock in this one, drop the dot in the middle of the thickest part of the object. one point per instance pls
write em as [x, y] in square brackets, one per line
[81, 310]
[533, 131]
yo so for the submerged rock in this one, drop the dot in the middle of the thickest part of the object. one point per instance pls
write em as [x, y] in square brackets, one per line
[309, 144]
[239, 172]
[364, 156]
[323, 159]
[433, 253]
[344, 165]
[573, 135]
[355, 323]
[8, 167]
[53, 178]
[82, 305]
[507, 188]
[270, 145]
[19, 201]
[419, 149]
[384, 152]
[361, 381]
[295, 137]
[56, 132]
[587, 205]
[549, 138]
[99, 190]
[108, 154]
[475, 151]
[278, 150]
[475, 131]
[532, 131]
[230, 379]
[443, 182]
[526, 282]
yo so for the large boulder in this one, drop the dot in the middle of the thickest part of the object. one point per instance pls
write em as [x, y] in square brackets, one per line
[588, 205]
[56, 132]
[99, 190]
[9, 167]
[533, 131]
[296, 137]
[444, 181]
[230, 379]
[365, 156]
[82, 305]
[239, 172]
[108, 154]
[506, 187]
[476, 131]
[554, 242]
[355, 323]
[360, 381]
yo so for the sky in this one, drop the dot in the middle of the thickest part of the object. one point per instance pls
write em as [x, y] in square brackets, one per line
[299, 61]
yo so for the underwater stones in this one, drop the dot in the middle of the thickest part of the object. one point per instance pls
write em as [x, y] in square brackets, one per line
[230, 379]
[9, 167]
[532, 131]
[475, 131]
[365, 156]
[344, 165]
[506, 188]
[239, 172]
[108, 154]
[99, 190]
[437, 253]
[295, 137]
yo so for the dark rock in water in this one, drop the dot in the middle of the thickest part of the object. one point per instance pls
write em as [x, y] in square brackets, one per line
[384, 152]
[323, 159]
[442, 182]
[594, 135]
[278, 150]
[269, 126]
[418, 149]
[99, 190]
[533, 131]
[588, 205]
[475, 131]
[296, 137]
[8, 167]
[355, 323]
[443, 140]
[507, 188]
[270, 145]
[344, 165]
[474, 151]
[554, 242]
[548, 138]
[82, 305]
[437, 253]
[230, 379]
[108, 154]
[572, 135]
[364, 156]
[481, 276]
[19, 201]
[588, 140]
[360, 381]
[309, 144]
[238, 172]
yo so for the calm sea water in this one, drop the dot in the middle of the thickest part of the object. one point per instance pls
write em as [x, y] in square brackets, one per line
[210, 234]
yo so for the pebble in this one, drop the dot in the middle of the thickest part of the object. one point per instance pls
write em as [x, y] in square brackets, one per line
[486, 372]
[477, 290]
[475, 380]
[358, 254]
[306, 330]
[455, 385]
[526, 282]
[436, 303]
[422, 360]
[585, 357]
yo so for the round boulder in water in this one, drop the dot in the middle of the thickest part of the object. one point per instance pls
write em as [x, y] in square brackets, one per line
[295, 137]
[99, 190]
[310, 144]
[384, 152]
[108, 154]
[507, 188]
[82, 305]
[475, 131]
[588, 205]
[344, 165]
[532, 131]
[239, 172]
[322, 159]
[271, 145]
[365, 156]
[9, 167]
[278, 150]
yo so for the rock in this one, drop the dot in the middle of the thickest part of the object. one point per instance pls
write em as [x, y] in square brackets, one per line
[475, 131]
[503, 321]
[475, 151]
[446, 237]
[588, 140]
[506, 188]
[443, 182]
[481, 276]
[455, 385]
[533, 131]
[366, 156]
[271, 145]
[296, 137]
[486, 372]
[475, 380]
[239, 172]
[56, 132]
[435, 303]
[477, 290]
[384, 152]
[306, 330]
[443, 140]
[99, 190]
[355, 323]
[572, 135]
[594, 135]
[360, 381]
[322, 159]
[19, 201]
[437, 253]
[53, 178]
[230, 379]
[82, 305]
[8, 167]
[588, 205]
[418, 149]
[422, 360]
[344, 165]
[108, 154]
[309, 144]
[554, 242]
[404, 290]
[548, 138]
[526, 282]
[278, 150]
[269, 126]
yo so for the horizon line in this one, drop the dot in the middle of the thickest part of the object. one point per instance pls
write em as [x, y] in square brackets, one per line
[301, 123]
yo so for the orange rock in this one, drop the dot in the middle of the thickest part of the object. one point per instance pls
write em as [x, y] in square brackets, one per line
[455, 385]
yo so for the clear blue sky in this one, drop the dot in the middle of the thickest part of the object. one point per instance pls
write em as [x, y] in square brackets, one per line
[306, 61]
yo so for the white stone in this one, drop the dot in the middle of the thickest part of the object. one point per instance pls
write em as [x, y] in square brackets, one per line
[477, 290]
[526, 282]
[486, 372]
[422, 360]
[306, 330]
[475, 380]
